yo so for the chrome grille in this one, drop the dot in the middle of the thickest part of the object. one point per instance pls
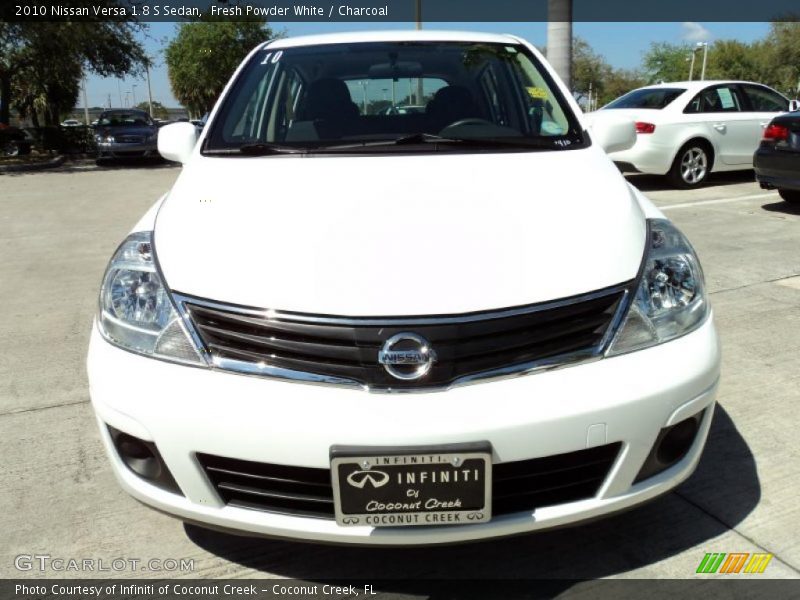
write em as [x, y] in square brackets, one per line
[345, 350]
[129, 139]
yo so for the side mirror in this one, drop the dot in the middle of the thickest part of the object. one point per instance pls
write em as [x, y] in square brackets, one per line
[176, 141]
[613, 133]
[794, 105]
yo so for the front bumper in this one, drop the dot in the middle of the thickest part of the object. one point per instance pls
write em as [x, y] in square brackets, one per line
[187, 411]
[125, 150]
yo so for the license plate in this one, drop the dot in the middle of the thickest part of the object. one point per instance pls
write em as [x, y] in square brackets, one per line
[381, 487]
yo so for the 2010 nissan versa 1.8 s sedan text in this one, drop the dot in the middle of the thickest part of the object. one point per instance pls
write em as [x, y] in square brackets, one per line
[348, 324]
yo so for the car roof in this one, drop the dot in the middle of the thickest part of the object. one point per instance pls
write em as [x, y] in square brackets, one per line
[393, 36]
[123, 111]
[696, 84]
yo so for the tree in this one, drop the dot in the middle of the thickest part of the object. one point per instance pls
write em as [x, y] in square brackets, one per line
[619, 82]
[159, 110]
[668, 62]
[41, 63]
[780, 55]
[732, 59]
[204, 55]
[591, 70]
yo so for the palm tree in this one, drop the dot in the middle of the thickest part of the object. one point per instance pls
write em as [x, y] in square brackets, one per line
[559, 38]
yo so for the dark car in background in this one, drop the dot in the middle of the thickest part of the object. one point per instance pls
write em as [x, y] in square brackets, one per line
[777, 159]
[14, 141]
[126, 133]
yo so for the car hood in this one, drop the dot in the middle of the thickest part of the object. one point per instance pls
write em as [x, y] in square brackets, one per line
[394, 235]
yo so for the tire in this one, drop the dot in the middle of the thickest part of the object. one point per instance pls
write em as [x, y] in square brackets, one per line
[692, 165]
[792, 196]
[10, 149]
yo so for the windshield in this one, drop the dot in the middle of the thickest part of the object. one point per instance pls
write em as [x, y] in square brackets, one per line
[122, 119]
[373, 94]
[656, 98]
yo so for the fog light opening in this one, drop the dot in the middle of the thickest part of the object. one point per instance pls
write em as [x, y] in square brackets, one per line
[138, 457]
[676, 443]
[143, 459]
[672, 445]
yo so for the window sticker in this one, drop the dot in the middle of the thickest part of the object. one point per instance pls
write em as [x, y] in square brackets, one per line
[274, 56]
[537, 93]
[726, 98]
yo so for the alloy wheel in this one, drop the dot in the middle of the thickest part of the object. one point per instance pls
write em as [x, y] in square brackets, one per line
[694, 165]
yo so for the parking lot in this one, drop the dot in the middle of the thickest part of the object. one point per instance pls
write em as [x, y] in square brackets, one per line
[58, 230]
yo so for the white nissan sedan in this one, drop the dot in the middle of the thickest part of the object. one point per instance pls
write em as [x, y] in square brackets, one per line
[688, 129]
[342, 325]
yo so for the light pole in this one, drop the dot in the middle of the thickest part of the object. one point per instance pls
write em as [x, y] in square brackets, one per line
[691, 66]
[134, 94]
[364, 88]
[149, 91]
[418, 8]
[85, 103]
[704, 46]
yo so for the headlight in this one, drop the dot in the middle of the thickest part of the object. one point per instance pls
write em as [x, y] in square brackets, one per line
[104, 139]
[670, 298]
[136, 312]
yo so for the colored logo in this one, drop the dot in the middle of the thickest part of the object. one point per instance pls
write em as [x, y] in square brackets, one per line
[734, 562]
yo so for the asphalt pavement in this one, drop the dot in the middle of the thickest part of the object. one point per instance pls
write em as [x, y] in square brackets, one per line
[59, 498]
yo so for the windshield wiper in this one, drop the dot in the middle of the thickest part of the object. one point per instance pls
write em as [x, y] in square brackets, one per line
[266, 149]
[430, 138]
[255, 149]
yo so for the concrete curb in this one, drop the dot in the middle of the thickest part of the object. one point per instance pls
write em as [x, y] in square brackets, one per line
[50, 164]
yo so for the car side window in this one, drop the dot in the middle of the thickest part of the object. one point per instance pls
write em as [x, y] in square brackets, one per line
[765, 100]
[722, 98]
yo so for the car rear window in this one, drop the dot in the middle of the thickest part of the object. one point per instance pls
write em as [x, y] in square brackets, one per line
[656, 98]
[119, 119]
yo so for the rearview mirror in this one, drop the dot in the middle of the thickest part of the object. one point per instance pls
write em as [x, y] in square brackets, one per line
[395, 70]
[612, 133]
[794, 105]
[176, 141]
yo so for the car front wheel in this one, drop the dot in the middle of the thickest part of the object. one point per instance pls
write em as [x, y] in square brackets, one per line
[10, 149]
[792, 196]
[691, 165]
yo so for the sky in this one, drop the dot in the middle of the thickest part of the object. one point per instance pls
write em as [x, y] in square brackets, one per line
[622, 44]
